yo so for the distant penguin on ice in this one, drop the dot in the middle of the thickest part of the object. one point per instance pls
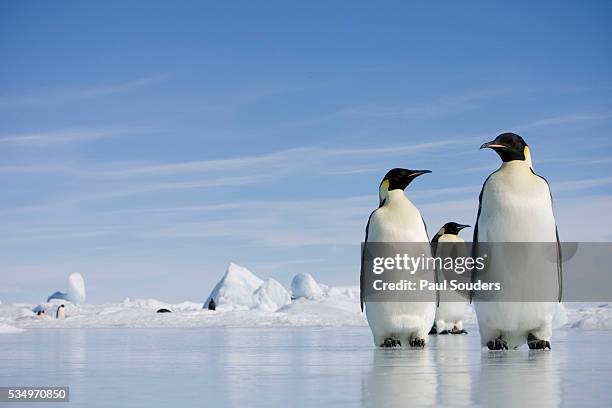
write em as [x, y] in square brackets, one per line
[516, 206]
[212, 305]
[60, 314]
[449, 314]
[397, 220]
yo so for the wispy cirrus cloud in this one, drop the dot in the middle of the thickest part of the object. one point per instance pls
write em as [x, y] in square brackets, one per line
[63, 95]
[566, 119]
[435, 107]
[297, 158]
[59, 137]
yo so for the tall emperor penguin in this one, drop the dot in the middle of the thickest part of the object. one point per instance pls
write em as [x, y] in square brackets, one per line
[398, 220]
[516, 206]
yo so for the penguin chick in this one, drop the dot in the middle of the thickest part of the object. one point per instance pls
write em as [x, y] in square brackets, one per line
[397, 220]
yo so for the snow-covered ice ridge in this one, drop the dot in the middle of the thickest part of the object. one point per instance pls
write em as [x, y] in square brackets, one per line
[243, 300]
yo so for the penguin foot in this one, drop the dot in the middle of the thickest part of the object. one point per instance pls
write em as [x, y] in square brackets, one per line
[433, 330]
[536, 344]
[444, 332]
[497, 344]
[417, 342]
[457, 331]
[391, 342]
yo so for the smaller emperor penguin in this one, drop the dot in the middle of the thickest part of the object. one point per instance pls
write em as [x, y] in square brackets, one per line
[449, 314]
[397, 220]
[516, 206]
[61, 312]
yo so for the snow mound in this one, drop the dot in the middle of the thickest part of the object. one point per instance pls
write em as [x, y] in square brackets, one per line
[75, 292]
[592, 318]
[235, 289]
[271, 296]
[303, 285]
[8, 329]
[188, 306]
[152, 304]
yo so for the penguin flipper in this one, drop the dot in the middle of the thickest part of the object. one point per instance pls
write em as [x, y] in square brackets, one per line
[363, 249]
[559, 254]
[475, 236]
[431, 247]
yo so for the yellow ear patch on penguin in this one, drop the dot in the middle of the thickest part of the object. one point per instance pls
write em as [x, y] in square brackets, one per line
[385, 185]
[526, 151]
[442, 231]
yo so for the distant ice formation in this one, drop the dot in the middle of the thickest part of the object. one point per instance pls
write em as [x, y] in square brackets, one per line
[235, 289]
[271, 296]
[76, 288]
[75, 292]
[303, 285]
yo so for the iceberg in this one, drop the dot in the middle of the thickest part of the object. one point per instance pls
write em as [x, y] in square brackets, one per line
[57, 295]
[303, 285]
[76, 290]
[271, 296]
[235, 289]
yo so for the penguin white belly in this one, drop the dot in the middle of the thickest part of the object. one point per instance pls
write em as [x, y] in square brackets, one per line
[449, 314]
[516, 207]
[404, 321]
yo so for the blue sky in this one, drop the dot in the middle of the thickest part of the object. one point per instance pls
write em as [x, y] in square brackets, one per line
[148, 145]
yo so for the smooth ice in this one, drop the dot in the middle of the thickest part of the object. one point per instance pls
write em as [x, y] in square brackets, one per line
[303, 367]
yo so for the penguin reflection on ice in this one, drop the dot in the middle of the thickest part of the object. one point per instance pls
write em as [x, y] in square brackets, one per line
[516, 206]
[397, 220]
[401, 378]
[531, 379]
[449, 314]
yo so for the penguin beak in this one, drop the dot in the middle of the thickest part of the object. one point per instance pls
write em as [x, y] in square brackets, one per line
[462, 226]
[493, 145]
[416, 173]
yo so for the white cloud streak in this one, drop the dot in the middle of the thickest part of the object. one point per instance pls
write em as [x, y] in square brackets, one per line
[45, 139]
[56, 96]
[566, 119]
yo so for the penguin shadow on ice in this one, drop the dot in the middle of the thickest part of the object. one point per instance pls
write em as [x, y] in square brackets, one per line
[451, 307]
[397, 220]
[400, 378]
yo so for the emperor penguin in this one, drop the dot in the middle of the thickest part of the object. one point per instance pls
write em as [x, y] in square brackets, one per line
[449, 314]
[60, 314]
[515, 205]
[397, 220]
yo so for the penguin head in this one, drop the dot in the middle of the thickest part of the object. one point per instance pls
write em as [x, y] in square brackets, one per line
[509, 146]
[452, 228]
[397, 179]
[61, 305]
